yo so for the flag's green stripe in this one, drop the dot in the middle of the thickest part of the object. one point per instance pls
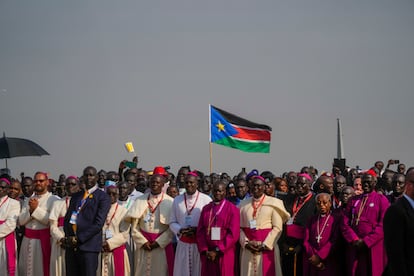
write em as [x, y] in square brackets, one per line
[243, 145]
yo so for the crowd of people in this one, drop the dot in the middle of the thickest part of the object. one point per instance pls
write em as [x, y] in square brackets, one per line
[136, 222]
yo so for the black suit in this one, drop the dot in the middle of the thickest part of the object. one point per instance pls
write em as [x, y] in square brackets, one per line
[83, 260]
[399, 238]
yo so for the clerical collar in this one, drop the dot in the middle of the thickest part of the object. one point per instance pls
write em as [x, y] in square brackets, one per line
[93, 189]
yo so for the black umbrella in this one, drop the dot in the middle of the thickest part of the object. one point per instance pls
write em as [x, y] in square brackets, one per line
[14, 147]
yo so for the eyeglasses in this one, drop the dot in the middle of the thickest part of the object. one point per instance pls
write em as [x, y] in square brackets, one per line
[4, 187]
[39, 180]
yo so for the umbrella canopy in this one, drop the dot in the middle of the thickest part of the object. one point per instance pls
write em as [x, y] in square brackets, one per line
[14, 147]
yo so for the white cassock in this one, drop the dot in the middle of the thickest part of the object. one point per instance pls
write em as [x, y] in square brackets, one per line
[57, 215]
[36, 224]
[152, 225]
[116, 240]
[130, 243]
[187, 258]
[9, 212]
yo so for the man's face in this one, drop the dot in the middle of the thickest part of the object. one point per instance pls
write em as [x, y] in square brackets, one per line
[4, 188]
[190, 184]
[339, 184]
[60, 189]
[358, 186]
[101, 179]
[368, 183]
[258, 188]
[90, 177]
[302, 186]
[40, 183]
[71, 186]
[379, 165]
[27, 187]
[401, 168]
[123, 189]
[398, 184]
[14, 190]
[172, 191]
[241, 189]
[323, 204]
[270, 189]
[112, 191]
[132, 182]
[219, 192]
[181, 175]
[327, 184]
[387, 180]
[346, 194]
[156, 184]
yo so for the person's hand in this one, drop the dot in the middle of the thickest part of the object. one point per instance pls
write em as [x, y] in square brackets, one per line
[147, 246]
[154, 245]
[33, 204]
[135, 159]
[359, 244]
[62, 242]
[122, 164]
[105, 247]
[254, 247]
[211, 255]
[315, 260]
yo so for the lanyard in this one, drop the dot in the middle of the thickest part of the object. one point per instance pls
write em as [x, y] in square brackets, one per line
[256, 207]
[113, 215]
[83, 201]
[297, 207]
[210, 219]
[195, 202]
[152, 209]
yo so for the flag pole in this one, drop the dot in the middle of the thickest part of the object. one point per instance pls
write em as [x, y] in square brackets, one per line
[211, 158]
[209, 138]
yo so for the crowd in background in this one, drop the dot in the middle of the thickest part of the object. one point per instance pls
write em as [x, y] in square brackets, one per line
[133, 221]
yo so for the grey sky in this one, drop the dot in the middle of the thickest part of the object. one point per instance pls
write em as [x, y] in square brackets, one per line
[81, 78]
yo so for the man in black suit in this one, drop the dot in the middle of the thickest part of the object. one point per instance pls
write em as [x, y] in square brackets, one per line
[84, 220]
[399, 231]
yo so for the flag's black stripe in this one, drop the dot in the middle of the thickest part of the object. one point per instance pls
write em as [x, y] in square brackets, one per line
[233, 119]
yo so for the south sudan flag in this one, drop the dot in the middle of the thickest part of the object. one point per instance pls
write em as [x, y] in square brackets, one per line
[235, 132]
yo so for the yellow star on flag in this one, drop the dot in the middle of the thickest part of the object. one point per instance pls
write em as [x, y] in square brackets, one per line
[220, 126]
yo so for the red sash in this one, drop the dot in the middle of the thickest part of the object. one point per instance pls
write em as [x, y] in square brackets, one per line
[169, 250]
[10, 243]
[44, 236]
[119, 264]
[268, 256]
[61, 221]
[295, 231]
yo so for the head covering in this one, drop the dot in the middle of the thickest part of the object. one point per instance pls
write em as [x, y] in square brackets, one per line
[371, 172]
[72, 177]
[109, 183]
[251, 174]
[5, 180]
[159, 171]
[305, 175]
[193, 173]
[259, 177]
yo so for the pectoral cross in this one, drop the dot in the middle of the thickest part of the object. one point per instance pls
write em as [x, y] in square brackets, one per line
[318, 238]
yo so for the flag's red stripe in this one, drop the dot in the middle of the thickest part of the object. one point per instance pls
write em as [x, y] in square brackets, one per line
[251, 134]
